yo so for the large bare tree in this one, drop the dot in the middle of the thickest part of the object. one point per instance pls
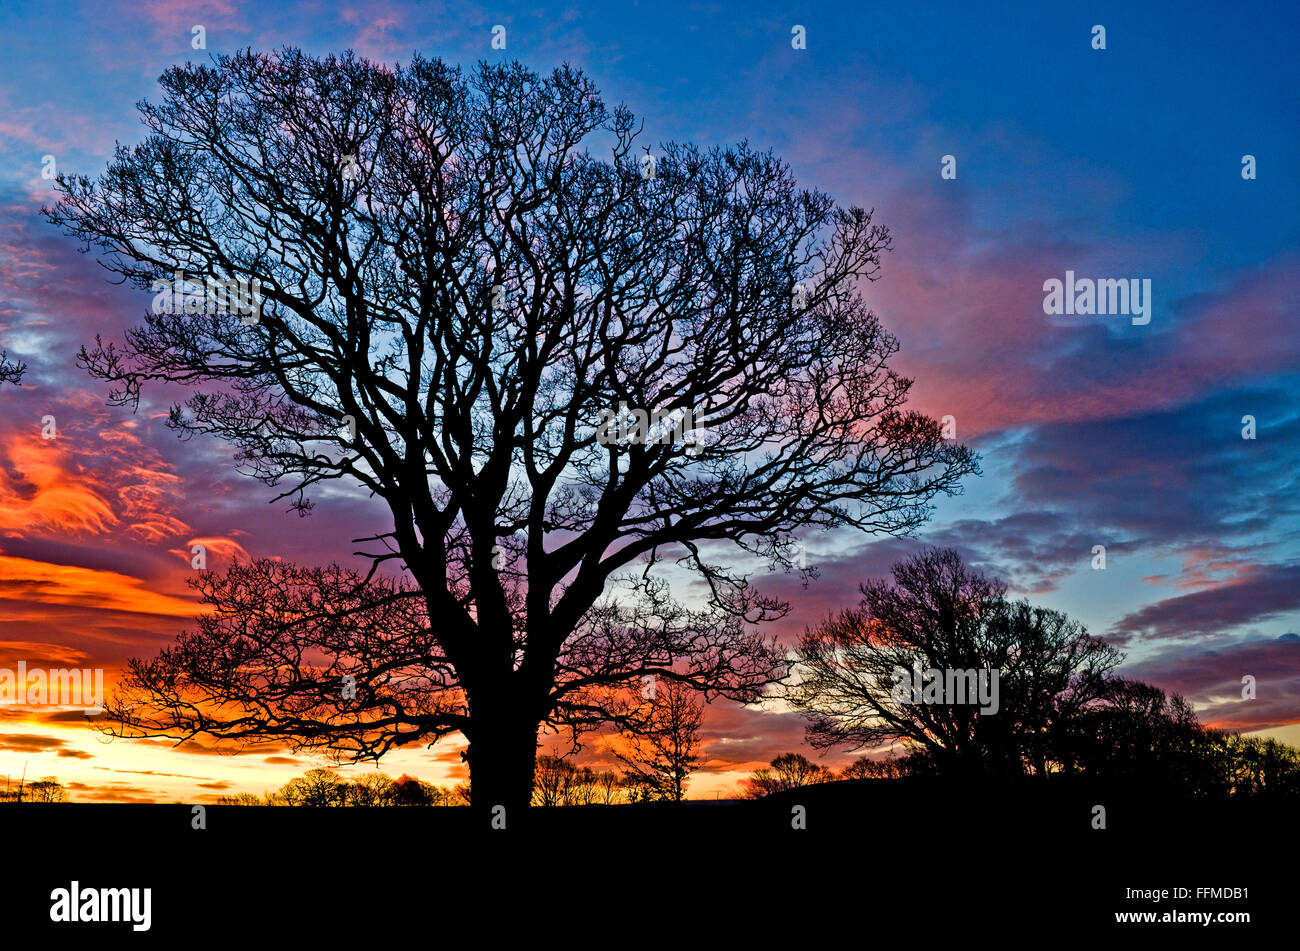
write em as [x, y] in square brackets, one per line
[458, 296]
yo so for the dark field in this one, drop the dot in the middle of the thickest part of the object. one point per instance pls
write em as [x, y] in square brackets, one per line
[1016, 859]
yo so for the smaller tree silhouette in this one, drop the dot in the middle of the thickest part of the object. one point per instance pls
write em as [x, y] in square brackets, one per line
[241, 799]
[890, 767]
[10, 372]
[938, 614]
[661, 743]
[47, 789]
[317, 787]
[557, 782]
[787, 771]
[372, 789]
[1138, 733]
[409, 791]
[1263, 767]
[551, 780]
[610, 787]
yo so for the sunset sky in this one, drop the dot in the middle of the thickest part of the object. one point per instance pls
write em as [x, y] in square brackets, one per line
[1116, 163]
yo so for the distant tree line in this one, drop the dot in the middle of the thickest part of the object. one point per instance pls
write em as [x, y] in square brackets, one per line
[47, 789]
[1219, 763]
[325, 787]
[557, 782]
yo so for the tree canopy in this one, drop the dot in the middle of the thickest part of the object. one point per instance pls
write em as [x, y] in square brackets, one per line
[460, 276]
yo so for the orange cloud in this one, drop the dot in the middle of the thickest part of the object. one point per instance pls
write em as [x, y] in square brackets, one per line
[86, 483]
[38, 493]
[39, 652]
[29, 580]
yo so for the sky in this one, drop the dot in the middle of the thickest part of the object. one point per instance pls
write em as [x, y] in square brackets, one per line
[1122, 162]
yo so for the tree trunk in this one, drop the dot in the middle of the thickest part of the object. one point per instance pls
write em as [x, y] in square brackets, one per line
[502, 755]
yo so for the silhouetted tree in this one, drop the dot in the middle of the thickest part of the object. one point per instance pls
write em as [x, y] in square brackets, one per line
[551, 780]
[10, 372]
[457, 297]
[636, 789]
[1263, 767]
[47, 789]
[787, 771]
[1137, 733]
[409, 791]
[938, 614]
[372, 789]
[557, 782]
[660, 746]
[610, 787]
[585, 789]
[892, 766]
[317, 787]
